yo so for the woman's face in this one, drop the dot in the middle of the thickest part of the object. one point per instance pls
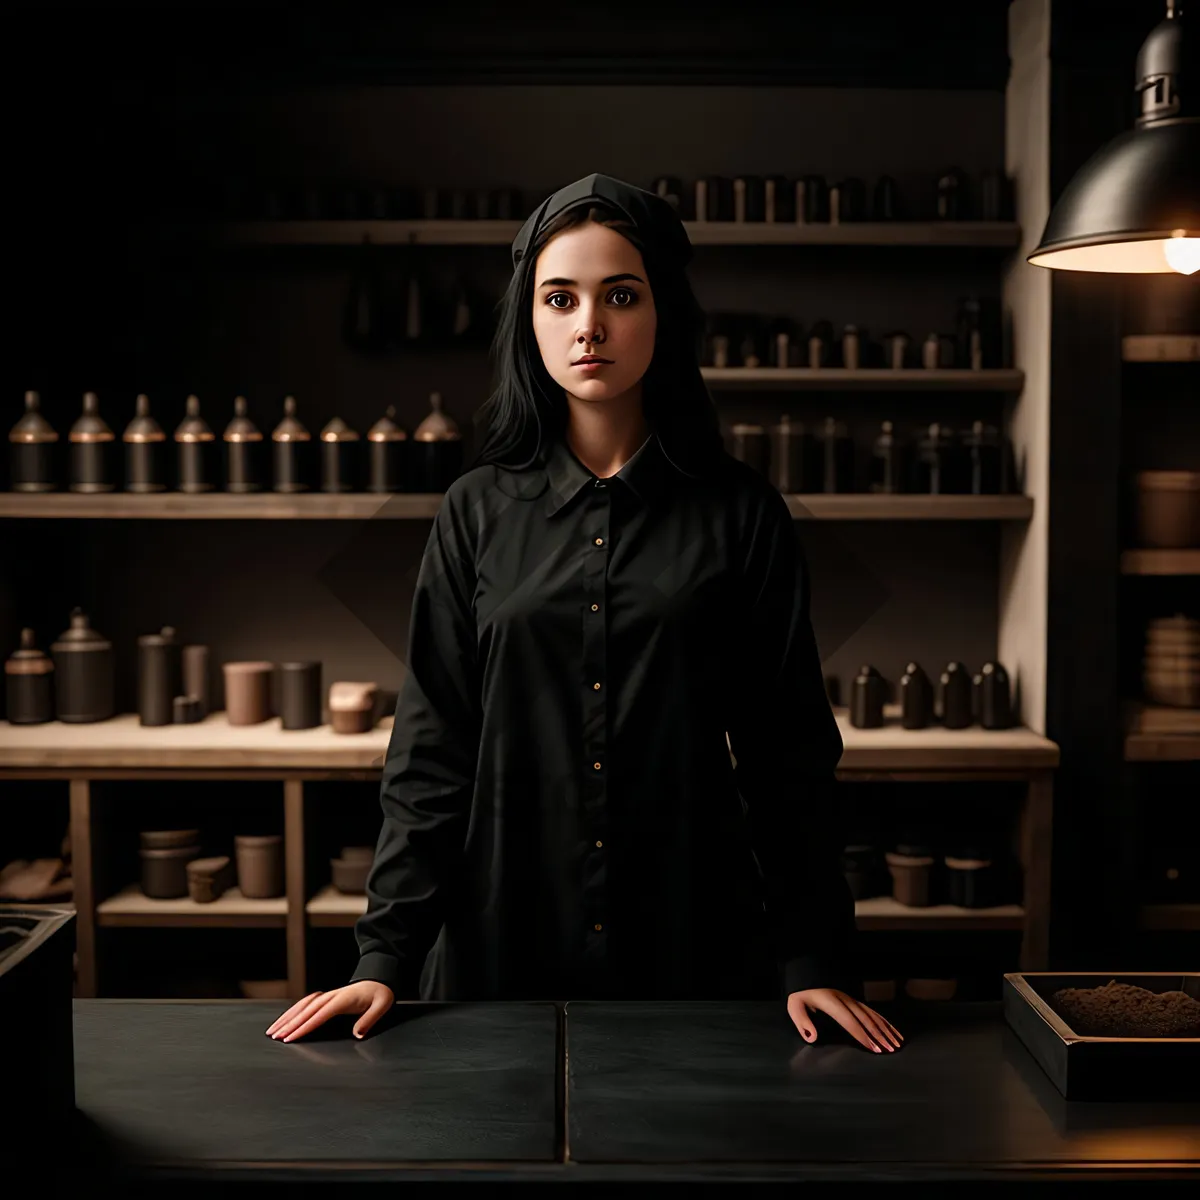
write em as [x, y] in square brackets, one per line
[591, 298]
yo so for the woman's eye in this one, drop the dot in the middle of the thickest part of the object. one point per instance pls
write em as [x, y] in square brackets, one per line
[557, 296]
[632, 297]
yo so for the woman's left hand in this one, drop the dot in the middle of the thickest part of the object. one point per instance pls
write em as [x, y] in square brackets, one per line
[863, 1024]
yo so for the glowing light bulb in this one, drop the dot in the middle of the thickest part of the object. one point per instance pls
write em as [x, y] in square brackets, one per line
[1183, 254]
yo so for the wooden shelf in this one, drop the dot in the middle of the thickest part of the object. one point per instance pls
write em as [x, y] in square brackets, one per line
[213, 744]
[883, 912]
[1171, 916]
[978, 234]
[130, 908]
[331, 908]
[839, 379]
[1162, 747]
[221, 506]
[1160, 562]
[1161, 347]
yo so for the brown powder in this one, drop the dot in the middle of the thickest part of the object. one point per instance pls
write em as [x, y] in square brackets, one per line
[1122, 1010]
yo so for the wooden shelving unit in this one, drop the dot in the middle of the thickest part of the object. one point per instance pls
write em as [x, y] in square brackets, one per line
[1161, 347]
[1162, 747]
[1160, 562]
[213, 750]
[848, 506]
[864, 379]
[1000, 235]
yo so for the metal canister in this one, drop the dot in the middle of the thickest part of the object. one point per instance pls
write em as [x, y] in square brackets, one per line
[244, 467]
[340, 457]
[196, 449]
[145, 450]
[750, 445]
[851, 348]
[895, 350]
[196, 679]
[939, 463]
[887, 462]
[387, 451]
[29, 684]
[795, 457]
[92, 449]
[160, 676]
[33, 450]
[437, 450]
[293, 452]
[83, 670]
[837, 456]
[749, 198]
[299, 703]
[984, 453]
[812, 200]
[820, 345]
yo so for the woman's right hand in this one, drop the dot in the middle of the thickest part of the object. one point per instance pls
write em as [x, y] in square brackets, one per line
[368, 997]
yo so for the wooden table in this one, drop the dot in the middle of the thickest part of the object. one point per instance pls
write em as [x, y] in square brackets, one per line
[177, 1091]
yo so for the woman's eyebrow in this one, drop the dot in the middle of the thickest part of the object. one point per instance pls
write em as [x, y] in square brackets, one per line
[571, 283]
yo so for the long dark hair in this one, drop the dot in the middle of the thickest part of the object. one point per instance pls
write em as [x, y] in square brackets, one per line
[526, 408]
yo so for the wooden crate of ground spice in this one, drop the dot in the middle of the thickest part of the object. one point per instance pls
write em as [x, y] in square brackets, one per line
[1110, 1036]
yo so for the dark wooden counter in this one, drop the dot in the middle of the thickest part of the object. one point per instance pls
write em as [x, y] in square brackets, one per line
[177, 1091]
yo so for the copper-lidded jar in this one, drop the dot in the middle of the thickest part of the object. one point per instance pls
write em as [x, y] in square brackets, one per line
[244, 469]
[339, 457]
[437, 450]
[387, 454]
[196, 451]
[28, 684]
[145, 451]
[292, 452]
[92, 449]
[33, 450]
[83, 670]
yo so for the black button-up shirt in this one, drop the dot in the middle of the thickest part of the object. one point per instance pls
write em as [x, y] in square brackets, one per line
[611, 772]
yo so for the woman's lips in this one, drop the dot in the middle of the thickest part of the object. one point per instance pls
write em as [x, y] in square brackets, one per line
[590, 366]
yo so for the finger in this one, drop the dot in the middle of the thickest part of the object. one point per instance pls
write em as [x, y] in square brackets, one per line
[874, 1024]
[799, 1015]
[302, 1015]
[337, 1003]
[895, 1032]
[379, 1006]
[849, 1022]
[291, 1012]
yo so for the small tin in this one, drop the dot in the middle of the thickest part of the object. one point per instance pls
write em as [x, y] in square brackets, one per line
[196, 450]
[29, 684]
[33, 450]
[145, 450]
[244, 467]
[92, 449]
[299, 702]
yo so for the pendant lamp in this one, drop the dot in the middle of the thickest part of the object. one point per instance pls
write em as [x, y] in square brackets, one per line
[1134, 206]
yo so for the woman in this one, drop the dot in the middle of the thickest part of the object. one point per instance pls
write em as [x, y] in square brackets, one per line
[609, 604]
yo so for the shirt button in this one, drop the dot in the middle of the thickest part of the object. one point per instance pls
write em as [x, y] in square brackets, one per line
[596, 765]
[597, 927]
[599, 541]
[595, 687]
[599, 844]
[595, 608]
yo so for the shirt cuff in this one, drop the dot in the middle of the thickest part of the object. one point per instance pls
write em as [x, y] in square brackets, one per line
[809, 971]
[389, 970]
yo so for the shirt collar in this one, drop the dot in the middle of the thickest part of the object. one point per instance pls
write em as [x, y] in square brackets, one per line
[647, 473]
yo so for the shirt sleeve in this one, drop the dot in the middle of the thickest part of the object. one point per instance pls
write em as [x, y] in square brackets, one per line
[786, 745]
[429, 771]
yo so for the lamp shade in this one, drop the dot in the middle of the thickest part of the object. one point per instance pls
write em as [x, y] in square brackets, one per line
[1134, 206]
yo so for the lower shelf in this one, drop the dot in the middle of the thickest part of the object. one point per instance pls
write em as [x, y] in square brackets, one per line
[329, 907]
[1171, 916]
[131, 908]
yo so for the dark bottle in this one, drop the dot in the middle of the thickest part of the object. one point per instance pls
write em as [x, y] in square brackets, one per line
[953, 200]
[867, 697]
[750, 446]
[820, 345]
[837, 456]
[783, 346]
[196, 449]
[749, 198]
[83, 671]
[954, 696]
[436, 450]
[145, 451]
[195, 681]
[779, 200]
[244, 467]
[795, 457]
[939, 463]
[33, 450]
[847, 201]
[916, 697]
[299, 702]
[885, 200]
[887, 462]
[895, 350]
[984, 452]
[340, 470]
[995, 697]
[292, 452]
[387, 445]
[91, 449]
[853, 345]
[812, 200]
[28, 684]
[160, 676]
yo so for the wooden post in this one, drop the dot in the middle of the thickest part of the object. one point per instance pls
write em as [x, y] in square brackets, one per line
[83, 875]
[296, 889]
[1037, 823]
